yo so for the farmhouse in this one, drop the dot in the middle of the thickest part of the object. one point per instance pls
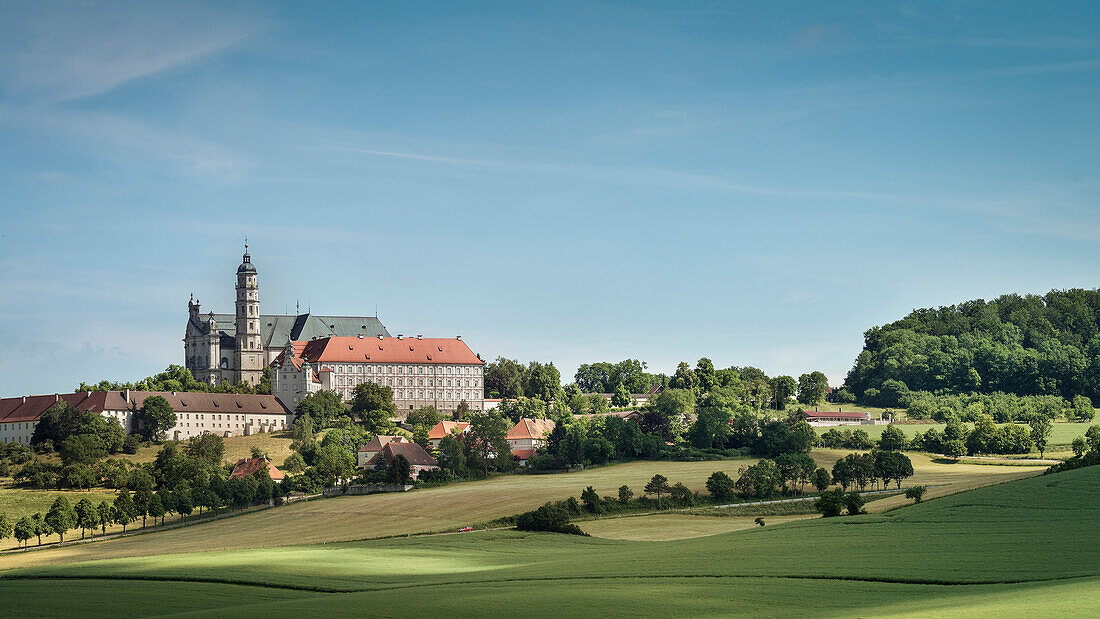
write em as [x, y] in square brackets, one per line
[375, 445]
[528, 436]
[248, 466]
[224, 414]
[443, 428]
[419, 460]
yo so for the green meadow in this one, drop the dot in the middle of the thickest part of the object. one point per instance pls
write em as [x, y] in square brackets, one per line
[1016, 547]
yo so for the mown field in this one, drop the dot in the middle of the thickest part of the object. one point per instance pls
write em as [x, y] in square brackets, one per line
[1063, 434]
[456, 505]
[275, 444]
[18, 502]
[1012, 549]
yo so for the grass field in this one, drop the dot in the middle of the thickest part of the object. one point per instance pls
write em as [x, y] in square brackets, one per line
[18, 502]
[275, 444]
[1009, 549]
[456, 505]
[1063, 434]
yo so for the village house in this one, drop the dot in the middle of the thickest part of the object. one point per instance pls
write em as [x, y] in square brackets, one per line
[224, 414]
[375, 445]
[443, 428]
[528, 437]
[419, 460]
[834, 418]
[248, 466]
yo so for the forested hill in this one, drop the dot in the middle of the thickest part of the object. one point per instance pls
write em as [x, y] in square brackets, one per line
[1027, 345]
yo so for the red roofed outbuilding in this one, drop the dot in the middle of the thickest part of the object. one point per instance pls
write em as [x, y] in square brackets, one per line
[248, 466]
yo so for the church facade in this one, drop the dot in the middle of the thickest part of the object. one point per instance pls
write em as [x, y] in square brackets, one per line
[237, 347]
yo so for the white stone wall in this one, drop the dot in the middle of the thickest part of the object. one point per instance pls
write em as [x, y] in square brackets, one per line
[17, 431]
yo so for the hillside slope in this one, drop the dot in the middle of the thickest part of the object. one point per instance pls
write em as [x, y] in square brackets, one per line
[1019, 546]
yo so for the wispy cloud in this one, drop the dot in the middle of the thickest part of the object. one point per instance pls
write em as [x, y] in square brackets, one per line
[58, 51]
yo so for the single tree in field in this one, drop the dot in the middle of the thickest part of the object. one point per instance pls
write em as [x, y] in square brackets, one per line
[822, 479]
[86, 516]
[591, 500]
[658, 485]
[1079, 446]
[625, 494]
[1041, 429]
[40, 526]
[24, 530]
[61, 517]
[106, 515]
[5, 527]
[124, 509]
[156, 508]
[141, 503]
[720, 486]
[916, 493]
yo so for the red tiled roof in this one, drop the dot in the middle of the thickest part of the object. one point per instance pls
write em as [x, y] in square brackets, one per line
[382, 350]
[414, 453]
[246, 467]
[30, 408]
[531, 428]
[443, 428]
[381, 440]
[523, 454]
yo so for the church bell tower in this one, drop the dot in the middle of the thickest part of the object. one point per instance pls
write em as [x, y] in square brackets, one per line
[249, 356]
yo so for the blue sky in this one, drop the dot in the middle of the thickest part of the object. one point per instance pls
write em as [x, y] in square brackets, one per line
[567, 182]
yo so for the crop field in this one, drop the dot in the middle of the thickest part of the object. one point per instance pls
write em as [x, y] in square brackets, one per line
[665, 527]
[449, 507]
[1013, 548]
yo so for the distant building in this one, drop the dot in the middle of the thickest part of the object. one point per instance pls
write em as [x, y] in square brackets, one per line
[224, 414]
[827, 418]
[419, 460]
[443, 428]
[237, 347]
[441, 372]
[528, 437]
[375, 445]
[248, 466]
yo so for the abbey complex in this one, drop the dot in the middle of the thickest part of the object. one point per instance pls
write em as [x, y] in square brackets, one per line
[236, 347]
[307, 353]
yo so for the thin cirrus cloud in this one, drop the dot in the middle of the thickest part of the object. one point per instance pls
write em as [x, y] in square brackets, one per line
[61, 51]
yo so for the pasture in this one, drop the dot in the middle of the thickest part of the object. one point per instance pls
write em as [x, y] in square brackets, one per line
[449, 507]
[1019, 547]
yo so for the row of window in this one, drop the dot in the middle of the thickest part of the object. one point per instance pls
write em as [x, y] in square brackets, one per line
[431, 370]
[409, 394]
[402, 382]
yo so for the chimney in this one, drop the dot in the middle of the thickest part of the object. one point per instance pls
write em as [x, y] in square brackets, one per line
[400, 335]
[419, 336]
[56, 397]
[24, 399]
[88, 394]
[379, 336]
[458, 337]
[127, 396]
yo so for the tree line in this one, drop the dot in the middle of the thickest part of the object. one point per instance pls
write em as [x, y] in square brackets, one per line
[178, 378]
[1025, 345]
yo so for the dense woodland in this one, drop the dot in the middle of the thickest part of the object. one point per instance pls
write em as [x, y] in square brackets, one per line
[1025, 345]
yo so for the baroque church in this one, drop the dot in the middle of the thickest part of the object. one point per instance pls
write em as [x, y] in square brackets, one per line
[237, 347]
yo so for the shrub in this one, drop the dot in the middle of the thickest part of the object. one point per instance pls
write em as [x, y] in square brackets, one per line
[916, 493]
[854, 503]
[720, 486]
[550, 518]
[830, 503]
